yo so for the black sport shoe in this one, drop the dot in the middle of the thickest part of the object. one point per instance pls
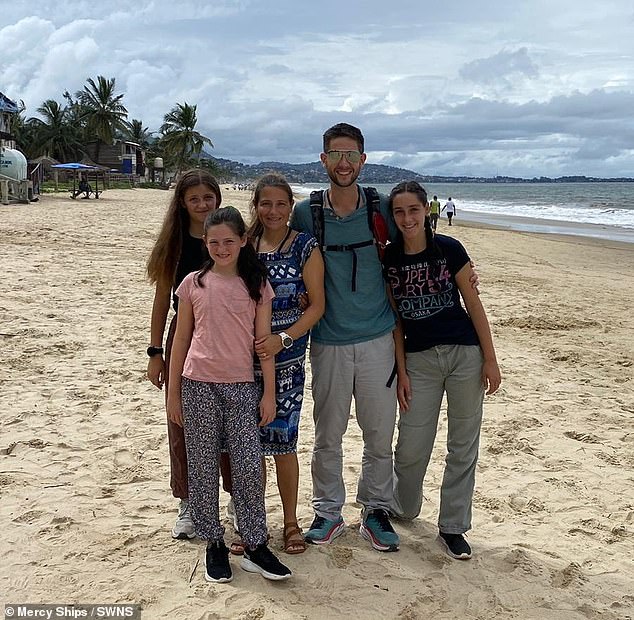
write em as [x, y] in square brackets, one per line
[455, 545]
[262, 560]
[217, 567]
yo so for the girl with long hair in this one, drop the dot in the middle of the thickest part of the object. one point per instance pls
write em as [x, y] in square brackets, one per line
[223, 308]
[295, 269]
[178, 250]
[446, 348]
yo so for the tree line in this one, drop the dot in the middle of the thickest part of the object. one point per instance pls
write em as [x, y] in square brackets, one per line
[96, 113]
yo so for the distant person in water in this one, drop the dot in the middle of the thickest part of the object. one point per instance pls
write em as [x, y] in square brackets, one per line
[434, 212]
[451, 209]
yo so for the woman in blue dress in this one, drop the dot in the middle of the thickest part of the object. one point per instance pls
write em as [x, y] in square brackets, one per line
[295, 268]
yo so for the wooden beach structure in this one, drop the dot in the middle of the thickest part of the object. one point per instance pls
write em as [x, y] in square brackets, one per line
[15, 183]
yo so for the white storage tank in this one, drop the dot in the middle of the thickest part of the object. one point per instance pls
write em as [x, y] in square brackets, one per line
[158, 162]
[13, 164]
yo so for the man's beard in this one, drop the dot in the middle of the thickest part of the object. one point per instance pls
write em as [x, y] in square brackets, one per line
[352, 180]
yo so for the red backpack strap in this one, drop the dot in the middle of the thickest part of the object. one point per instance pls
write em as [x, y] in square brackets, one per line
[376, 221]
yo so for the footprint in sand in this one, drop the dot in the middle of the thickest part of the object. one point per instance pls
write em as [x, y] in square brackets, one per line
[570, 575]
[520, 560]
[341, 556]
[519, 503]
[124, 458]
[439, 560]
[583, 437]
[31, 516]
[5, 481]
[556, 355]
[105, 492]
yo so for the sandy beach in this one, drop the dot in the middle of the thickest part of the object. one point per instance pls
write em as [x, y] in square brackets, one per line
[85, 505]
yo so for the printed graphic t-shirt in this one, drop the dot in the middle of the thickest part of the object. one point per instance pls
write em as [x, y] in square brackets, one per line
[221, 349]
[427, 296]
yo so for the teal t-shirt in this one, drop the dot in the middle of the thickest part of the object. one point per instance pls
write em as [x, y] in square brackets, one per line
[350, 316]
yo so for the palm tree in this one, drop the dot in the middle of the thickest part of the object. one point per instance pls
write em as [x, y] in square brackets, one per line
[139, 134]
[180, 140]
[103, 111]
[23, 132]
[55, 135]
[75, 112]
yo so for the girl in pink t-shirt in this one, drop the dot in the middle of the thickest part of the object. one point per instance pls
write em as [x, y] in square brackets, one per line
[222, 309]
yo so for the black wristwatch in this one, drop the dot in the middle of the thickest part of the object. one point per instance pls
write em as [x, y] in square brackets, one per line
[287, 341]
[152, 351]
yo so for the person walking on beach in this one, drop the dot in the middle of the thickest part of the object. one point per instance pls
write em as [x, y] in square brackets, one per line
[178, 250]
[451, 209]
[295, 267]
[434, 212]
[445, 349]
[222, 309]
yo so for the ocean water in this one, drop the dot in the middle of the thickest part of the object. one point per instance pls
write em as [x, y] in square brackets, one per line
[600, 210]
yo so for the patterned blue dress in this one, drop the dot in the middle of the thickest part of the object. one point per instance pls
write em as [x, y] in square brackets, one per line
[285, 276]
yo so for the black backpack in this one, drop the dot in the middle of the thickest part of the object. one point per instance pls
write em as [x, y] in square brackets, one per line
[376, 225]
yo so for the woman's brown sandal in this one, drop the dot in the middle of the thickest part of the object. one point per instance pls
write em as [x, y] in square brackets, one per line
[237, 546]
[294, 542]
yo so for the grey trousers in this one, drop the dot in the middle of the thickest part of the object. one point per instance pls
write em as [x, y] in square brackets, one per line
[339, 373]
[455, 369]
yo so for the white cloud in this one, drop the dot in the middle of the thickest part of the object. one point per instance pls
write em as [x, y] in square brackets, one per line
[527, 89]
[503, 66]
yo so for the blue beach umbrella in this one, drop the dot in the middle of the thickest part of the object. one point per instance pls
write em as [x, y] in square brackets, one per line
[76, 167]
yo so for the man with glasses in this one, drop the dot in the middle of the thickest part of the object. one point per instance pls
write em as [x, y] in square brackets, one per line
[352, 350]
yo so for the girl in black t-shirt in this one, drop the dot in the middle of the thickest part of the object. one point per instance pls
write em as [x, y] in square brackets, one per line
[441, 347]
[178, 250]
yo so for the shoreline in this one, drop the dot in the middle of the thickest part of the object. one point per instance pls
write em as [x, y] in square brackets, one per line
[535, 225]
[548, 228]
[576, 238]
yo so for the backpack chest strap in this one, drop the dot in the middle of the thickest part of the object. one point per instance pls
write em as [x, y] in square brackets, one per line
[352, 247]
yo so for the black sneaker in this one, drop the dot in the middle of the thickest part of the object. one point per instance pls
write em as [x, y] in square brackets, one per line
[455, 545]
[217, 567]
[262, 560]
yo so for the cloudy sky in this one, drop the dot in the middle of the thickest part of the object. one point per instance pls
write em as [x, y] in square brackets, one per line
[540, 87]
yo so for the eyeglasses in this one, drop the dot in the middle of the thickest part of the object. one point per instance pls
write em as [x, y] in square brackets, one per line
[352, 157]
